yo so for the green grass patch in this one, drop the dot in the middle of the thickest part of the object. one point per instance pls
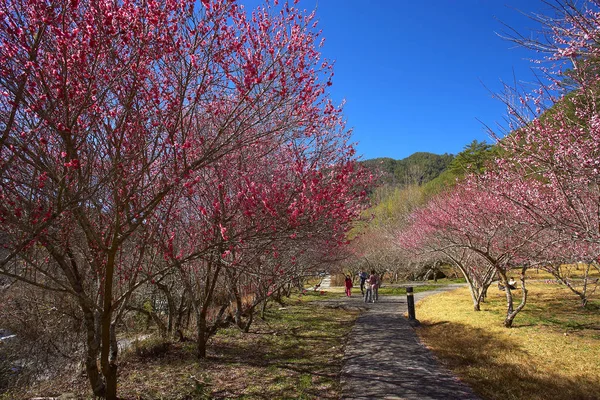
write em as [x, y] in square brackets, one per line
[552, 351]
[452, 280]
[401, 291]
[312, 295]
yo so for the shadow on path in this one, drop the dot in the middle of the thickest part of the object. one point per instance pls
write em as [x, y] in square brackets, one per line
[385, 360]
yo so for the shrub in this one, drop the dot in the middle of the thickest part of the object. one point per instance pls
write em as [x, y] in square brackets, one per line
[151, 347]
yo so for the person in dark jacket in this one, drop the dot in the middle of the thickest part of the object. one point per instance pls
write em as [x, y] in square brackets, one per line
[363, 277]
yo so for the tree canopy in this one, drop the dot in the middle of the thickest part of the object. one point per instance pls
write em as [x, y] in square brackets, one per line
[418, 168]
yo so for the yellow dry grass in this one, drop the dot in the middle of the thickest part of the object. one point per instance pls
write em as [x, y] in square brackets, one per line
[571, 271]
[552, 352]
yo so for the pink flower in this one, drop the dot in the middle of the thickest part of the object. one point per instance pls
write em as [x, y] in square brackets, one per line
[223, 232]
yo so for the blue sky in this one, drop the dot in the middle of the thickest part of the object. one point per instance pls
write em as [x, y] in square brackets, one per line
[417, 75]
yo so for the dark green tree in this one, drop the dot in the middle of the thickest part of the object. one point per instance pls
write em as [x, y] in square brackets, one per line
[473, 159]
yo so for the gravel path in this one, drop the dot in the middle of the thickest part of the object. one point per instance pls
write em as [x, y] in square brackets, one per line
[385, 360]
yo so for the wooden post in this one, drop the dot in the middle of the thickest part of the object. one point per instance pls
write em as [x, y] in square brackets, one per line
[410, 301]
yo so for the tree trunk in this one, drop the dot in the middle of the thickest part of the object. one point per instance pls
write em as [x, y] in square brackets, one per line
[263, 309]
[249, 322]
[582, 294]
[180, 313]
[512, 312]
[114, 345]
[288, 290]
[484, 290]
[92, 324]
[188, 315]
[201, 313]
[201, 333]
[475, 297]
[239, 313]
[110, 375]
[238, 307]
[477, 294]
[108, 358]
[586, 275]
[91, 356]
[171, 304]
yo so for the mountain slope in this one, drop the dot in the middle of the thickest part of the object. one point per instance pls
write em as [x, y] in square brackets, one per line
[419, 168]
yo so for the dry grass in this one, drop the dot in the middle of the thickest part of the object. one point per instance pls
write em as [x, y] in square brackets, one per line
[552, 352]
[295, 353]
[571, 271]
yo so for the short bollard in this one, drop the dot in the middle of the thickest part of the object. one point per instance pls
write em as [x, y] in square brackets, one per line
[410, 301]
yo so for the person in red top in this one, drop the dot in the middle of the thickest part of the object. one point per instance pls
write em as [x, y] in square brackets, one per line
[349, 285]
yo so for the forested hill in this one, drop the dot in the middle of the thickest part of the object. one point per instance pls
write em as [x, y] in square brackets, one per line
[419, 168]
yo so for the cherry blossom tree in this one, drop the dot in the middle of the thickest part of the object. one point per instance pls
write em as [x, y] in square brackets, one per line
[249, 223]
[111, 109]
[551, 156]
[564, 258]
[424, 241]
[489, 226]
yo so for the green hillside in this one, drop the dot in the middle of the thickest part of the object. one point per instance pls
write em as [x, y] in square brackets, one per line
[419, 168]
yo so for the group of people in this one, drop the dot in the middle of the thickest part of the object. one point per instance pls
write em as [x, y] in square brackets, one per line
[369, 286]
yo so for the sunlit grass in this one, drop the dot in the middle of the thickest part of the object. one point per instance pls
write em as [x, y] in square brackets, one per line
[401, 291]
[552, 352]
[312, 295]
[571, 271]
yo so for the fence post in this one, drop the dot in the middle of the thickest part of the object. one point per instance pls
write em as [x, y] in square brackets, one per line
[410, 301]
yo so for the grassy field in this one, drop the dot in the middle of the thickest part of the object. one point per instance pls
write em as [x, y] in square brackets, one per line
[552, 352]
[295, 353]
[401, 291]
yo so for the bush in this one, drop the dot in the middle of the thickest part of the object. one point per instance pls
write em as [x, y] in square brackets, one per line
[5, 372]
[151, 347]
[9, 371]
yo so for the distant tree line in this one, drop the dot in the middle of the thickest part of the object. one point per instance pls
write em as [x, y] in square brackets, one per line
[419, 168]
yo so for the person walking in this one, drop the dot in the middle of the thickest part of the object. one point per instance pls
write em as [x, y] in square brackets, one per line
[363, 277]
[348, 284]
[374, 283]
[368, 292]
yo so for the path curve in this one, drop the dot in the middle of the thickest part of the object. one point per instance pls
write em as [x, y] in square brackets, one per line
[384, 358]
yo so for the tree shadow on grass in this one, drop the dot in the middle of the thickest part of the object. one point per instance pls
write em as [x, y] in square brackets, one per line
[245, 368]
[295, 353]
[501, 369]
[283, 365]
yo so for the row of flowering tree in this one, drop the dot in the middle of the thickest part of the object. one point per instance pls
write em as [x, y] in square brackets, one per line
[538, 203]
[553, 171]
[185, 145]
[480, 233]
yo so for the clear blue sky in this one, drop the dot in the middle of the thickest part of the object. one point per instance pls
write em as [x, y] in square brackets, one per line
[416, 75]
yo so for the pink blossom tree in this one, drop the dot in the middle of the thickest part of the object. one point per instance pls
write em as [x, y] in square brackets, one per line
[470, 218]
[565, 258]
[251, 223]
[552, 158]
[111, 109]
